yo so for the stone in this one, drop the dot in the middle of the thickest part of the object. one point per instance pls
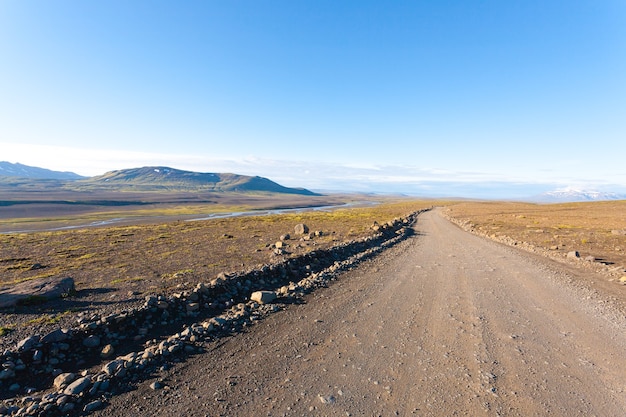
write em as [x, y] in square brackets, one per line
[192, 307]
[326, 399]
[55, 336]
[37, 356]
[107, 351]
[285, 237]
[63, 380]
[111, 367]
[279, 244]
[91, 341]
[573, 254]
[156, 385]
[590, 258]
[301, 229]
[78, 386]
[41, 289]
[6, 374]
[28, 343]
[263, 297]
[93, 406]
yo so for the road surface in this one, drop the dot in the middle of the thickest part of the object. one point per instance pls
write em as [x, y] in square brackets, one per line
[443, 324]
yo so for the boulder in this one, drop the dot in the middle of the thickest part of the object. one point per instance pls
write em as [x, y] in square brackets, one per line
[573, 254]
[78, 386]
[63, 380]
[301, 229]
[41, 289]
[28, 343]
[263, 297]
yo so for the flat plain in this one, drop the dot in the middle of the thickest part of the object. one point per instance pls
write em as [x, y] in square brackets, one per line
[162, 251]
[512, 328]
[593, 229]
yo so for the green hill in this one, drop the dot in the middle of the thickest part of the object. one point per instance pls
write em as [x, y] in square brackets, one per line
[170, 179]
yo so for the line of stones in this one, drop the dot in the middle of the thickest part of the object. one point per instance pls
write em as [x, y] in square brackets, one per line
[37, 354]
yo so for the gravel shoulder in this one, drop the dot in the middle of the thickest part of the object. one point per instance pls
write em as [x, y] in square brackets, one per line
[444, 323]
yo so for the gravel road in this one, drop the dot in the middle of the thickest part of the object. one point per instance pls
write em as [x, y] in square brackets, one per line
[443, 324]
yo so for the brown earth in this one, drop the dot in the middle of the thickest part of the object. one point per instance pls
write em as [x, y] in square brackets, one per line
[445, 323]
[116, 267]
[596, 229]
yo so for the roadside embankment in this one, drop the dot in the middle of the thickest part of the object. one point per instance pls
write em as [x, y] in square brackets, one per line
[76, 370]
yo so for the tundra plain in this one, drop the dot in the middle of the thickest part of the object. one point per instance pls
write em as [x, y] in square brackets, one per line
[439, 323]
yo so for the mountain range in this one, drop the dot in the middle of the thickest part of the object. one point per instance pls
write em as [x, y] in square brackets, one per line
[576, 195]
[24, 171]
[141, 179]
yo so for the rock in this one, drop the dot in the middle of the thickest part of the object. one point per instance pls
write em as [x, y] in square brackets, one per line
[63, 380]
[590, 258]
[41, 289]
[37, 356]
[112, 367]
[156, 385]
[285, 237]
[28, 343]
[6, 374]
[93, 406]
[192, 307]
[263, 297]
[55, 336]
[107, 351]
[301, 229]
[326, 399]
[279, 244]
[78, 386]
[91, 341]
[623, 279]
[573, 254]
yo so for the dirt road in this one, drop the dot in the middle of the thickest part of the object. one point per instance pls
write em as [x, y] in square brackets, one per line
[443, 324]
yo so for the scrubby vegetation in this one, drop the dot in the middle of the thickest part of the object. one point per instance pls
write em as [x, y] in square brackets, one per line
[155, 257]
[596, 229]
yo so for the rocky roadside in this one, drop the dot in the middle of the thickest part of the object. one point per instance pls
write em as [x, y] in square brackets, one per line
[613, 272]
[74, 371]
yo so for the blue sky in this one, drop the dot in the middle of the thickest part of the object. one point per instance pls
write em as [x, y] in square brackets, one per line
[469, 98]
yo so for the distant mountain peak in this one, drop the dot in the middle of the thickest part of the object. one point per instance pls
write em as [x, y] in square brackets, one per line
[7, 169]
[573, 194]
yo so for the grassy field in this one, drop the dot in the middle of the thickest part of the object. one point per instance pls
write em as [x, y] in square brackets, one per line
[595, 229]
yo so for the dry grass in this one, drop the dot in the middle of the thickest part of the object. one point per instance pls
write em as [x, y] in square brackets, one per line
[157, 257]
[589, 228]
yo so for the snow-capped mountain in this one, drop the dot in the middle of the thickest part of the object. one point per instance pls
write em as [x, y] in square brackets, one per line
[575, 195]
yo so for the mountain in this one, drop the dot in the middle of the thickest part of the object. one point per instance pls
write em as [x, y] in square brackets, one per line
[567, 195]
[8, 169]
[165, 178]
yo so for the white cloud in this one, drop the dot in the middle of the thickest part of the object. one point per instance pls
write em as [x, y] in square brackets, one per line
[310, 174]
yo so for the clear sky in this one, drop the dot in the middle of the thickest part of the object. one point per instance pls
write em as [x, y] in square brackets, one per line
[441, 97]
